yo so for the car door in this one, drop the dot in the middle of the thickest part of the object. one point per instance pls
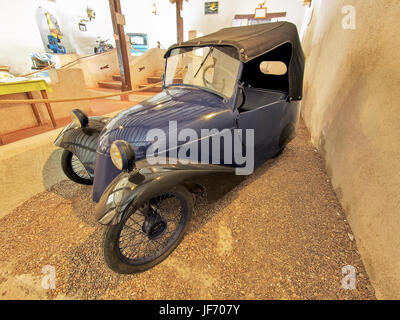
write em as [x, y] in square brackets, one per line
[266, 114]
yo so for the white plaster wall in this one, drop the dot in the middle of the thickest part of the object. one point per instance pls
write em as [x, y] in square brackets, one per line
[72, 11]
[162, 27]
[20, 35]
[195, 19]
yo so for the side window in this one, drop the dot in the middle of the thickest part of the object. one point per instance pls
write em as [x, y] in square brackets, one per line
[276, 68]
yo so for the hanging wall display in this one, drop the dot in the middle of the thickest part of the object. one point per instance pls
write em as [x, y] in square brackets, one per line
[55, 36]
[260, 13]
[211, 7]
[90, 13]
[82, 26]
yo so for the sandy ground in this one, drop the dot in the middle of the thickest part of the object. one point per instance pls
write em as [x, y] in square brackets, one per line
[278, 234]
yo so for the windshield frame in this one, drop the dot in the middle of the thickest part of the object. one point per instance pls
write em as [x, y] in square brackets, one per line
[225, 98]
[186, 85]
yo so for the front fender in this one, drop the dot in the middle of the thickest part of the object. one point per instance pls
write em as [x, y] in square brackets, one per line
[82, 141]
[140, 185]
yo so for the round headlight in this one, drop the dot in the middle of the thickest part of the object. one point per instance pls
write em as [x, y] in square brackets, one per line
[122, 154]
[79, 118]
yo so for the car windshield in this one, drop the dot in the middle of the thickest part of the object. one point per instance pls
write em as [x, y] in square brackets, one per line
[205, 67]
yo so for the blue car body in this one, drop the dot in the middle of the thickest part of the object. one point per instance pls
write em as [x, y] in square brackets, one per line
[190, 107]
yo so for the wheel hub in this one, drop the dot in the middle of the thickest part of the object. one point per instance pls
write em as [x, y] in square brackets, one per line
[154, 226]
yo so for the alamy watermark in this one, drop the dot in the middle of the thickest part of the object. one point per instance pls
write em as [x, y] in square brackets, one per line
[349, 18]
[209, 146]
[49, 278]
[349, 279]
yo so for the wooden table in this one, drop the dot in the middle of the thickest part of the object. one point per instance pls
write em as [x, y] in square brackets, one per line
[20, 85]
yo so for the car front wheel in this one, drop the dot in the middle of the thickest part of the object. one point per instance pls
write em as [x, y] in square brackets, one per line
[147, 235]
[74, 169]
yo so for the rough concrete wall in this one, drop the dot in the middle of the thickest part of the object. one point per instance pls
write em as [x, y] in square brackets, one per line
[64, 84]
[148, 64]
[96, 68]
[67, 83]
[351, 106]
[18, 116]
[28, 167]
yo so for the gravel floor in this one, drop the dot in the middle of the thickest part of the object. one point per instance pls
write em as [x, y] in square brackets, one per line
[278, 234]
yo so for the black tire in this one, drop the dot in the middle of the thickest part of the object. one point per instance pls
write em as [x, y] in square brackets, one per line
[113, 255]
[67, 160]
[276, 155]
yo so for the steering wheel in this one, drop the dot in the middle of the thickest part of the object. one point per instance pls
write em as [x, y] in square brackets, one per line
[207, 83]
[243, 96]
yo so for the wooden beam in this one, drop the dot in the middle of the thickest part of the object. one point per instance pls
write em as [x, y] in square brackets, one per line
[179, 21]
[120, 42]
[269, 16]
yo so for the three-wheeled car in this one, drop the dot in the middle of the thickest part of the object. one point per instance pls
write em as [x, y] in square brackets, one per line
[240, 78]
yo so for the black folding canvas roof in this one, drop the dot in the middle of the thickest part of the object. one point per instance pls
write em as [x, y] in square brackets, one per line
[253, 41]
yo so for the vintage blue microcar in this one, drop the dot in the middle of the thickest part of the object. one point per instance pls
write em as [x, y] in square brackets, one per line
[241, 79]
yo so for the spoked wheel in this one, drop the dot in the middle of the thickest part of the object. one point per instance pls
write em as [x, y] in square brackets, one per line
[147, 235]
[74, 169]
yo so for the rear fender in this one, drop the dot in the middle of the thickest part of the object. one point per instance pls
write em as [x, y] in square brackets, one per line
[83, 141]
[140, 185]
